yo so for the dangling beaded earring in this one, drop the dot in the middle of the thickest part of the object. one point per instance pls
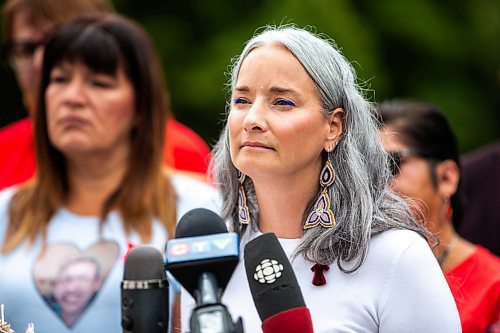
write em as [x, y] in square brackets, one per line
[243, 213]
[322, 213]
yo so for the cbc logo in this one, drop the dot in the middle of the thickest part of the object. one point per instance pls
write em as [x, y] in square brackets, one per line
[268, 271]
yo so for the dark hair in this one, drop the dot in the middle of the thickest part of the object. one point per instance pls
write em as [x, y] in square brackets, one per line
[104, 43]
[422, 127]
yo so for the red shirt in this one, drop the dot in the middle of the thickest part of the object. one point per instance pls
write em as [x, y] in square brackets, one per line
[475, 285]
[184, 150]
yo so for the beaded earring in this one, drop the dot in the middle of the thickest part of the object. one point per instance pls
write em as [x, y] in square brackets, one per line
[243, 213]
[322, 213]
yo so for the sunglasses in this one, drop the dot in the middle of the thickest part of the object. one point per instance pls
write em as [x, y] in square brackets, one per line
[396, 158]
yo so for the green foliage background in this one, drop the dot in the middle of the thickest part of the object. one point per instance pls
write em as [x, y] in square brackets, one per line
[444, 52]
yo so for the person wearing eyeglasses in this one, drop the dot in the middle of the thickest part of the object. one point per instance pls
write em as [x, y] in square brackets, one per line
[27, 24]
[425, 164]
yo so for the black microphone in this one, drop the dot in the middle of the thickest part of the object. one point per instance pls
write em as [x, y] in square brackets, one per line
[274, 287]
[144, 292]
[202, 257]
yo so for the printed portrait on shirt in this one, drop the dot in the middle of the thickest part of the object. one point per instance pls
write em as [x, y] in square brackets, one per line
[69, 279]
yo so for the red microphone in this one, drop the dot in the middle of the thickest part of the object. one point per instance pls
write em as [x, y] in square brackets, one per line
[274, 287]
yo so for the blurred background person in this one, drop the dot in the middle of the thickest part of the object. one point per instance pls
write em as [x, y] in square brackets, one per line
[481, 188]
[99, 135]
[300, 157]
[27, 25]
[426, 168]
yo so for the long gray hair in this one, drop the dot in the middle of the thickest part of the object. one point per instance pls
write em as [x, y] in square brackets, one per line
[363, 204]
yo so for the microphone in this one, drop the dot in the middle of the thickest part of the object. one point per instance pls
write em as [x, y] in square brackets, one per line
[202, 257]
[144, 292]
[274, 287]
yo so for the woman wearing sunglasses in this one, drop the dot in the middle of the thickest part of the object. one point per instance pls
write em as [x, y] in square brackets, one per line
[426, 169]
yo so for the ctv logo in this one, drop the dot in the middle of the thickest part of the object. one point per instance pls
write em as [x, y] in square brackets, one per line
[179, 249]
[182, 247]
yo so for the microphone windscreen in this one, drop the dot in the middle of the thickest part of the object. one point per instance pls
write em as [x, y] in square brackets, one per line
[272, 281]
[144, 263]
[201, 245]
[199, 222]
[297, 320]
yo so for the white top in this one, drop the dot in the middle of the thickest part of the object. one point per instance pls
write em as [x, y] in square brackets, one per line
[27, 280]
[399, 288]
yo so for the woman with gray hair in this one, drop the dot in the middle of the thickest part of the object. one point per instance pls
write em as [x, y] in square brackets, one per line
[300, 157]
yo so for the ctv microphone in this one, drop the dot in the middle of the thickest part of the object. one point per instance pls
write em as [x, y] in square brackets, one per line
[274, 287]
[202, 257]
[144, 292]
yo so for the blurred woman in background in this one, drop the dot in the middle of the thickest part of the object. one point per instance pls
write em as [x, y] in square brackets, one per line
[100, 187]
[27, 25]
[426, 168]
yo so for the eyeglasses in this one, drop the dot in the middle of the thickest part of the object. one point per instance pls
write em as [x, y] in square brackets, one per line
[396, 158]
[20, 53]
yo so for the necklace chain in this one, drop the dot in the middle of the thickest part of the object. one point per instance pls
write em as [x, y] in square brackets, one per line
[442, 257]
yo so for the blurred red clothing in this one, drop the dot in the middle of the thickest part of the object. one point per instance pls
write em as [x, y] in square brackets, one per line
[184, 150]
[475, 285]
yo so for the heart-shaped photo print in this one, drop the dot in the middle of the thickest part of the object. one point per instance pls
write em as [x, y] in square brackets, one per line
[68, 278]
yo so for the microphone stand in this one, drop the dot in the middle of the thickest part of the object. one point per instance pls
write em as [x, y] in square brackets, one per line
[210, 315]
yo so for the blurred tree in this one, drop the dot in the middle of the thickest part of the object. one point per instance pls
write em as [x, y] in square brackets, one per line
[445, 52]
